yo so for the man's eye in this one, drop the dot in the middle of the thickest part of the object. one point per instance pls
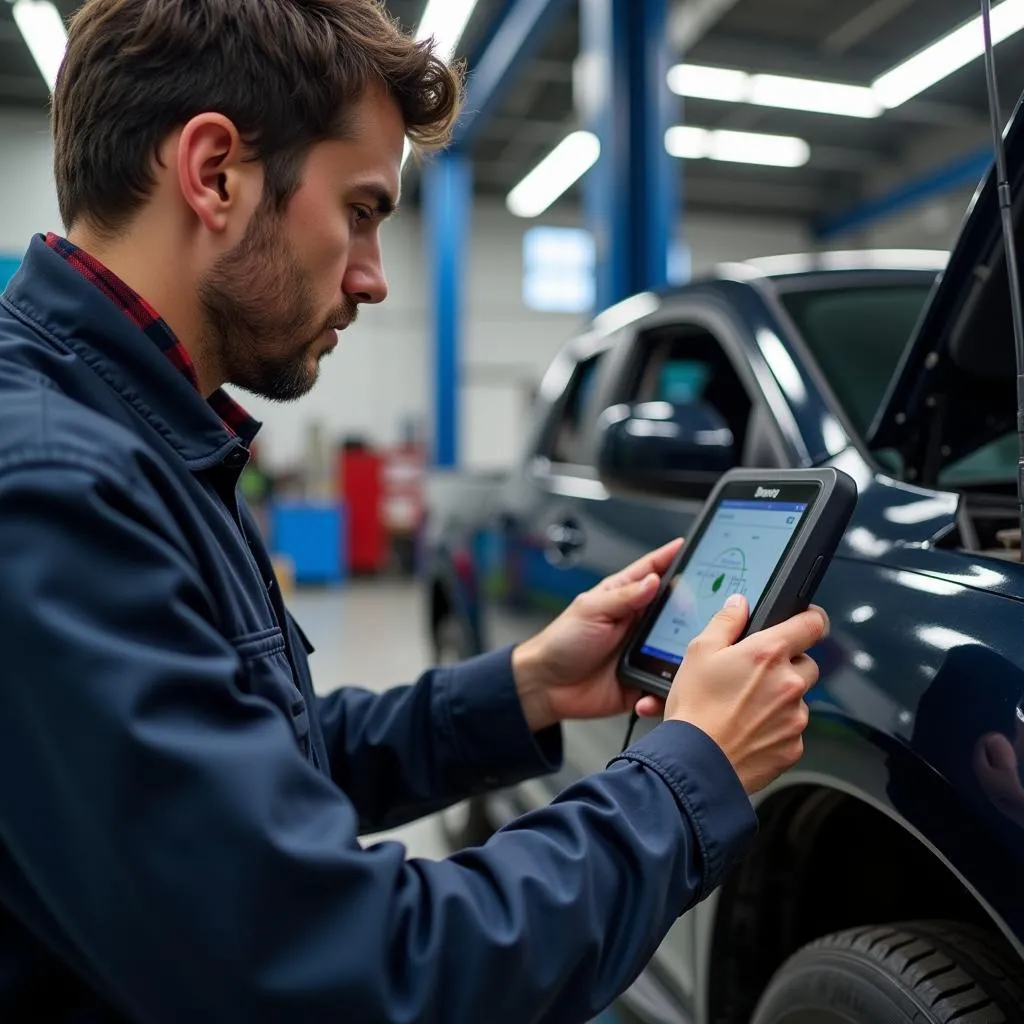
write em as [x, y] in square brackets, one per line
[363, 213]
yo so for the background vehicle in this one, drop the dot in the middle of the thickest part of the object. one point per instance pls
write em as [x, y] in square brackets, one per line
[890, 863]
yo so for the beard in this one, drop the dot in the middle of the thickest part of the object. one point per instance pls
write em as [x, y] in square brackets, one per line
[261, 324]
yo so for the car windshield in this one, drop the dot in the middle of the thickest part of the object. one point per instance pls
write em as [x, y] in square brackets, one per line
[857, 336]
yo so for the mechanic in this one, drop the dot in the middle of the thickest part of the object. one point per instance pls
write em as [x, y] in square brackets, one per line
[180, 815]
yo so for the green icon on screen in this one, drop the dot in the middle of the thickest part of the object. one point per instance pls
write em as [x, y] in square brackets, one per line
[717, 585]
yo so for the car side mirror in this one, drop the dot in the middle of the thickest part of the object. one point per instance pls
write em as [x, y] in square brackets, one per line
[660, 446]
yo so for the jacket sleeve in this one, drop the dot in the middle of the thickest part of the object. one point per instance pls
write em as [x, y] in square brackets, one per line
[409, 751]
[163, 834]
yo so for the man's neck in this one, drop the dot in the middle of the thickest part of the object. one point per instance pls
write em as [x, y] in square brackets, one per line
[168, 289]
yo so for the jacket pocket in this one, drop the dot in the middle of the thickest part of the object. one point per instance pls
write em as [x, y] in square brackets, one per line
[266, 672]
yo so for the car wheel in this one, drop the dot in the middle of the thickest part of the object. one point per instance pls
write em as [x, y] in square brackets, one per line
[916, 973]
[466, 823]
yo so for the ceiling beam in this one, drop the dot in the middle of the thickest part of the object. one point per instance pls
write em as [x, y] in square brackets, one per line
[692, 20]
[524, 25]
[545, 70]
[841, 158]
[863, 25]
[531, 130]
[940, 115]
[23, 87]
[749, 54]
[798, 198]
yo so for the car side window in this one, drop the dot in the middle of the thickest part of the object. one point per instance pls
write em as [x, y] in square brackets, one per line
[567, 435]
[685, 364]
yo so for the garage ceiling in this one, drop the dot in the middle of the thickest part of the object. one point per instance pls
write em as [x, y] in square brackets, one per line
[850, 41]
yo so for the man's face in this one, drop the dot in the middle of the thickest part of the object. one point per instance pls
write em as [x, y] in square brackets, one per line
[272, 304]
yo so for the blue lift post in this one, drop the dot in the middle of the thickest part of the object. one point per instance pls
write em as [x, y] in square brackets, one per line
[447, 202]
[447, 197]
[632, 194]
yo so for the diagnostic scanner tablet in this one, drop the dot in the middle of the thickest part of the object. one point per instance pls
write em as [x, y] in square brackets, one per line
[768, 535]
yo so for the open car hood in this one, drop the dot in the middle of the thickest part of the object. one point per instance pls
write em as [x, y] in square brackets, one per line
[955, 387]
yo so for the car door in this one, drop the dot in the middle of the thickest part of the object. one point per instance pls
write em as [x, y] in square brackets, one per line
[535, 542]
[692, 355]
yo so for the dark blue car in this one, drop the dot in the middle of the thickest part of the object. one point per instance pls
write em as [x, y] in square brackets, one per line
[892, 858]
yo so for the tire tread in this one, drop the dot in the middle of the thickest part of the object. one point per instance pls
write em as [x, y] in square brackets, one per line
[958, 970]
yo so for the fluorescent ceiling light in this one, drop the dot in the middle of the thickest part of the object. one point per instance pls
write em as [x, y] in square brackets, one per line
[554, 175]
[45, 35]
[690, 143]
[696, 80]
[808, 94]
[445, 20]
[934, 63]
[706, 83]
[946, 55]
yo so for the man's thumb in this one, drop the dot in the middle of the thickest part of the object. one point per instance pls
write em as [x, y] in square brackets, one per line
[727, 625]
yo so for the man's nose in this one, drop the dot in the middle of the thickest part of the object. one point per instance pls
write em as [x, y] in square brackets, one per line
[366, 283]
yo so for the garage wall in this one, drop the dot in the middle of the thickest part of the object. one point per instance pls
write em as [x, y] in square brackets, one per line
[379, 380]
[28, 200]
[933, 222]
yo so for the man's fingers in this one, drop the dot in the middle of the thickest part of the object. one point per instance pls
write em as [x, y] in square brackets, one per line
[799, 633]
[656, 561]
[807, 669]
[650, 707]
[618, 602]
[998, 753]
[726, 627]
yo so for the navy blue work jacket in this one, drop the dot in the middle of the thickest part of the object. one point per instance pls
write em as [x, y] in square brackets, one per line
[179, 812]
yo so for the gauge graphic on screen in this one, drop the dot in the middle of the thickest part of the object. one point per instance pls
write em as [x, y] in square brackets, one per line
[723, 575]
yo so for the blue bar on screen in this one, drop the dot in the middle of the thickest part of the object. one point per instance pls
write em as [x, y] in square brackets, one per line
[765, 506]
[653, 652]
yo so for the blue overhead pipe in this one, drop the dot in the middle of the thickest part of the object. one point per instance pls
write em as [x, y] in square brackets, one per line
[516, 37]
[961, 173]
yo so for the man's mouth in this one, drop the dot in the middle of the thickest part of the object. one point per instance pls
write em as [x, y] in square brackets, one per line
[345, 320]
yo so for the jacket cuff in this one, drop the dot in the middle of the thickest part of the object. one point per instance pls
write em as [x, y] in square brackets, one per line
[488, 726]
[708, 791]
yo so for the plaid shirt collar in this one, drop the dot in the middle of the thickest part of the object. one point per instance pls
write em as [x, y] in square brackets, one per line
[235, 419]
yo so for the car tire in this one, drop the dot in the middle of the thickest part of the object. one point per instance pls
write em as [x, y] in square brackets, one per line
[466, 823]
[920, 972]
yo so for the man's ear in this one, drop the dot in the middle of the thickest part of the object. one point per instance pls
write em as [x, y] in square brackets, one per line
[216, 180]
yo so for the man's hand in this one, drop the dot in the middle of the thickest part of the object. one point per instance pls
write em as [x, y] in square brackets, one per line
[568, 670]
[749, 696]
[997, 763]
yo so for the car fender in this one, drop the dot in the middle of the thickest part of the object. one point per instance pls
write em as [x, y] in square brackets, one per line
[842, 757]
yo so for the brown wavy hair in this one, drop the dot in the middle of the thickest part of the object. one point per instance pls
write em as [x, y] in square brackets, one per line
[286, 72]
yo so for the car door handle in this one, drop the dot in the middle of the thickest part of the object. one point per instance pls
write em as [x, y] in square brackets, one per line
[564, 542]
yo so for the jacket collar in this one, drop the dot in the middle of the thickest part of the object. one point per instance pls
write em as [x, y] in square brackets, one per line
[72, 314]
